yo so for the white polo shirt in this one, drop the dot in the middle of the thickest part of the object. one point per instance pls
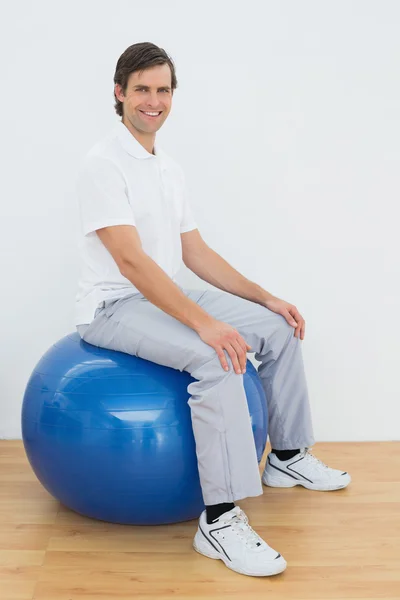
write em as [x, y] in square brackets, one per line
[120, 183]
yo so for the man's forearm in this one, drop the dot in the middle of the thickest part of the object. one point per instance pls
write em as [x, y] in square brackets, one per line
[153, 282]
[211, 267]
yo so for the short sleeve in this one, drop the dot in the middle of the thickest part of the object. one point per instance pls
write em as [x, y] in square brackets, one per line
[102, 195]
[188, 221]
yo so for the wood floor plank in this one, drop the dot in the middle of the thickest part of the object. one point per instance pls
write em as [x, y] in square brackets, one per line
[189, 580]
[25, 536]
[19, 573]
[20, 565]
[341, 545]
[29, 510]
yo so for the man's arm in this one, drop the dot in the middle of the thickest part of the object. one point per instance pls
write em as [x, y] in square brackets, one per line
[211, 267]
[124, 244]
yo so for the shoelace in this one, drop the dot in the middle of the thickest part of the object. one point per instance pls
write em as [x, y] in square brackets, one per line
[240, 524]
[314, 458]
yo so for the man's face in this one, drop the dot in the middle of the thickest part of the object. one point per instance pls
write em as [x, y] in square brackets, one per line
[149, 91]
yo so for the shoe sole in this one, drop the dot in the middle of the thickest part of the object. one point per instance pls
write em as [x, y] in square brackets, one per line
[202, 547]
[273, 481]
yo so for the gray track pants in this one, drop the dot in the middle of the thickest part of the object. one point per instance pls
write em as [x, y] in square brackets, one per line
[225, 448]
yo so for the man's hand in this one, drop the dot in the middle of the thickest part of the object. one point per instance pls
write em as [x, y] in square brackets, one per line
[222, 336]
[290, 312]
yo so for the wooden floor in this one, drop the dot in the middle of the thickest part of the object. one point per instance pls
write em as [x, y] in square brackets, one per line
[338, 545]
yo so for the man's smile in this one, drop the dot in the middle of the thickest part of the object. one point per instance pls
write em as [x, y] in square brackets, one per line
[151, 114]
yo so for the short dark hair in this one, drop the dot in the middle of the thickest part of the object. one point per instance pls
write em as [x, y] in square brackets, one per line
[139, 57]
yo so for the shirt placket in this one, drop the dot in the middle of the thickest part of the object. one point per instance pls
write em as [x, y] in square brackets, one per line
[166, 201]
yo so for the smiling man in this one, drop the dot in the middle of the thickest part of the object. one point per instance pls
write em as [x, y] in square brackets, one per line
[137, 227]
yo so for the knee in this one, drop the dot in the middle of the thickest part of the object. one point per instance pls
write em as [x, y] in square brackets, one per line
[204, 355]
[275, 336]
[278, 328]
[284, 331]
[206, 362]
[286, 328]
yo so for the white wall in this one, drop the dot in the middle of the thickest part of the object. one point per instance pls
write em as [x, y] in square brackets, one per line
[286, 121]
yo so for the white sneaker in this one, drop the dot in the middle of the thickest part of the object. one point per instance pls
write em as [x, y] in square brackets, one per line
[303, 469]
[231, 539]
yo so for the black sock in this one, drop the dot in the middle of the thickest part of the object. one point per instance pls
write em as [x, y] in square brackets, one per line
[285, 454]
[216, 510]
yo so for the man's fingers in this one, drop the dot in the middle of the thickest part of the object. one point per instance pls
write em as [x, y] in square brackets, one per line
[296, 315]
[232, 351]
[289, 318]
[241, 354]
[299, 322]
[236, 353]
[237, 350]
[222, 358]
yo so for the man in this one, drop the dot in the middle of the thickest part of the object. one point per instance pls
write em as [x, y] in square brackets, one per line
[138, 227]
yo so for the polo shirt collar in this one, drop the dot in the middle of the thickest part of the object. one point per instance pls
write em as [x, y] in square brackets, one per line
[131, 144]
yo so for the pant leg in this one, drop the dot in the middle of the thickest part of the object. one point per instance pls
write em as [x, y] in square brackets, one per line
[281, 370]
[226, 453]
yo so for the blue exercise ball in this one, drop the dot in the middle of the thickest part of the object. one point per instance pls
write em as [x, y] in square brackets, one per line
[110, 436]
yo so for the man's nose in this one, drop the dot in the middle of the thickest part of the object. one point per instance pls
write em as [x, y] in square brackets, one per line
[153, 100]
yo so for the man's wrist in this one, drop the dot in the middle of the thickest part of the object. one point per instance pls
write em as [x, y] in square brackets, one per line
[199, 320]
[260, 295]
